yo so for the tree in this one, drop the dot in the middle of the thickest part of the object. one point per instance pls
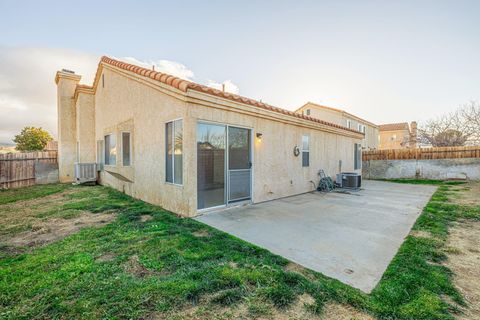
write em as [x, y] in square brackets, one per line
[471, 115]
[32, 139]
[454, 129]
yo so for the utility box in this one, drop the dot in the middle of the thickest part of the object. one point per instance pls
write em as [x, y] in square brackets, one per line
[85, 172]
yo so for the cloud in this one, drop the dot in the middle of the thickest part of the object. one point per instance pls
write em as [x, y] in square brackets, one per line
[166, 66]
[229, 86]
[27, 87]
[28, 95]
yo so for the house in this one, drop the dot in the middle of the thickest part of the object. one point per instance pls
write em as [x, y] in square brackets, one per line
[343, 118]
[398, 135]
[189, 147]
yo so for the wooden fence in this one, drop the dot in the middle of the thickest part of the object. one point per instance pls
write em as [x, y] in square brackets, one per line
[18, 169]
[422, 153]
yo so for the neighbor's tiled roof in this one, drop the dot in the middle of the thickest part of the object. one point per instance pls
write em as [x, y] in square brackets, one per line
[393, 126]
[312, 104]
[185, 85]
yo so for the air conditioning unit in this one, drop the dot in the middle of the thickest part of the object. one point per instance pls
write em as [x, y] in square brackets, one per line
[85, 172]
[349, 180]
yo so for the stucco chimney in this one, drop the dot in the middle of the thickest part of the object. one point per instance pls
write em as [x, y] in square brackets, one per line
[66, 81]
[413, 134]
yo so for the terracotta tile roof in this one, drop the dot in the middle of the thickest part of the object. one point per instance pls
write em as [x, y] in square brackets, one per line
[185, 85]
[393, 126]
[312, 104]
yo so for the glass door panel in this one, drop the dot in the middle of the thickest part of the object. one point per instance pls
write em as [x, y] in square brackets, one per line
[211, 142]
[239, 164]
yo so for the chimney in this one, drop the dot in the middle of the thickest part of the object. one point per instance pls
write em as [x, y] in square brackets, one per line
[66, 81]
[413, 134]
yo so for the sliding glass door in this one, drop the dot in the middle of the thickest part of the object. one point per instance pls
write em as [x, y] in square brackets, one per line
[211, 141]
[223, 165]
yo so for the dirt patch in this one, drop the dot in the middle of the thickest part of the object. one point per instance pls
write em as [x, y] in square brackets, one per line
[294, 267]
[420, 234]
[105, 257]
[145, 217]
[201, 233]
[465, 264]
[336, 311]
[134, 267]
[298, 311]
[44, 232]
[466, 194]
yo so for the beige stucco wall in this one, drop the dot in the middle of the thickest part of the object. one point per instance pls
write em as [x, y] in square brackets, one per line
[339, 117]
[142, 107]
[85, 127]
[395, 139]
[66, 115]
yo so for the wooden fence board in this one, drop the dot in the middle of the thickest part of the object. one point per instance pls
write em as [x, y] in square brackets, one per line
[18, 169]
[423, 153]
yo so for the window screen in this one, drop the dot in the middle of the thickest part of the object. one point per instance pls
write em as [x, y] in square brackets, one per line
[174, 152]
[305, 151]
[126, 148]
[357, 152]
[110, 150]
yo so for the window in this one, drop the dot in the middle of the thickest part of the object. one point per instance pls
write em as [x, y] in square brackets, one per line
[308, 112]
[349, 124]
[174, 151]
[305, 151]
[100, 155]
[357, 153]
[110, 150]
[361, 128]
[126, 149]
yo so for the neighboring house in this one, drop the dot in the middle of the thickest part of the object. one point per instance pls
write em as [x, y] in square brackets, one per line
[345, 119]
[398, 136]
[189, 147]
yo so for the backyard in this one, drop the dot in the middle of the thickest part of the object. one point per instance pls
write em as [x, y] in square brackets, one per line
[92, 252]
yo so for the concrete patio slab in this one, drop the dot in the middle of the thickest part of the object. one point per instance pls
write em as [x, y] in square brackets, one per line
[350, 237]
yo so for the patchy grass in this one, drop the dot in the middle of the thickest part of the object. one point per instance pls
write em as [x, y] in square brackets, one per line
[416, 285]
[132, 268]
[424, 181]
[13, 195]
[166, 266]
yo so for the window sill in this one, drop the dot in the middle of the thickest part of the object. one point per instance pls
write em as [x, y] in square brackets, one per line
[174, 184]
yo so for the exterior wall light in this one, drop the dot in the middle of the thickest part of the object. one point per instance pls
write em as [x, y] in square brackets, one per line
[259, 136]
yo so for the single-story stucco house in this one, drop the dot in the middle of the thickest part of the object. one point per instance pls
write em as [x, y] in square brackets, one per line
[189, 147]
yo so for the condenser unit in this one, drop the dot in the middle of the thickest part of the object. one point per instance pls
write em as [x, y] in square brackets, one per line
[349, 180]
[85, 172]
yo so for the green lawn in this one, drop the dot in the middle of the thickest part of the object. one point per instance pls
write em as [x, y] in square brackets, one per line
[139, 268]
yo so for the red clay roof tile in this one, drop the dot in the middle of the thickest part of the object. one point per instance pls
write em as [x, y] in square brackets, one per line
[185, 85]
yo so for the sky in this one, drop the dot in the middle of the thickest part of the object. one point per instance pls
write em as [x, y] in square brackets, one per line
[385, 61]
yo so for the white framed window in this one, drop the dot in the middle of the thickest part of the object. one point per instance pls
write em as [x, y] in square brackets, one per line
[126, 148]
[110, 149]
[305, 151]
[357, 154]
[361, 128]
[349, 124]
[307, 112]
[174, 152]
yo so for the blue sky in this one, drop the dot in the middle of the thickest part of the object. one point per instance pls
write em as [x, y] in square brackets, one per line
[386, 61]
